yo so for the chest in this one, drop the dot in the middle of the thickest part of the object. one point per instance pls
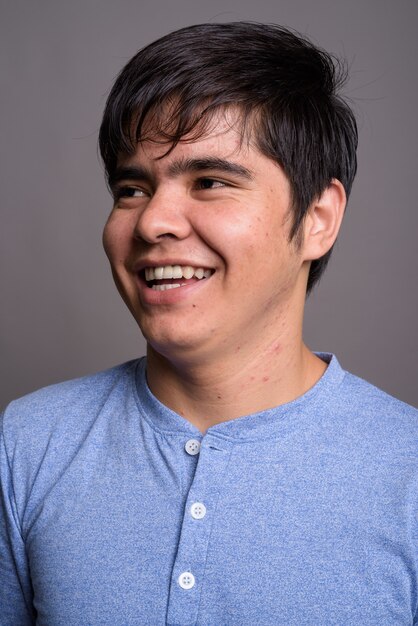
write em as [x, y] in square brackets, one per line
[241, 533]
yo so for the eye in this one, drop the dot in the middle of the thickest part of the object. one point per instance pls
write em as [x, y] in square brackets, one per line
[209, 183]
[128, 192]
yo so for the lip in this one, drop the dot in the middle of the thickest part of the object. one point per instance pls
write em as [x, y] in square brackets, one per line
[150, 296]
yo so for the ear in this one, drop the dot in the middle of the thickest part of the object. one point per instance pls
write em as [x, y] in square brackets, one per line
[323, 220]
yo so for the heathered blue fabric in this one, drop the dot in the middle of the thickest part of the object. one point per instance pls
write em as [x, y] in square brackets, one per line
[311, 509]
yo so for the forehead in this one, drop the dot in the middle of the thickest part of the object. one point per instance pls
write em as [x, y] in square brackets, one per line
[175, 119]
[224, 133]
[172, 123]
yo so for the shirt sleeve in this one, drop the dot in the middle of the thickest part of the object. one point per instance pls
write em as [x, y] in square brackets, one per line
[16, 607]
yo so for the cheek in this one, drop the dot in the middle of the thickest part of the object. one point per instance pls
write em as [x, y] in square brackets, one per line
[106, 239]
[115, 239]
[228, 231]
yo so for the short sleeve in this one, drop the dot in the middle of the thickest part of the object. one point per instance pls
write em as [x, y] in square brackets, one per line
[16, 606]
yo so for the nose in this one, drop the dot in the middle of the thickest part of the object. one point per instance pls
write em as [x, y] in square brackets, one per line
[164, 216]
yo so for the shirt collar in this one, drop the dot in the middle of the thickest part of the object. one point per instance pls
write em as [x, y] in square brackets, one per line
[263, 424]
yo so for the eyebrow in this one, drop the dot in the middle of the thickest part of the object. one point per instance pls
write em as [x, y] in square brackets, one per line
[129, 173]
[182, 166]
[185, 165]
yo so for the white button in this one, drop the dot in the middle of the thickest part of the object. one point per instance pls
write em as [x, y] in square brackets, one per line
[198, 510]
[186, 580]
[192, 446]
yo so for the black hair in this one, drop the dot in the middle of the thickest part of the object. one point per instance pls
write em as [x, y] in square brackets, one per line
[278, 79]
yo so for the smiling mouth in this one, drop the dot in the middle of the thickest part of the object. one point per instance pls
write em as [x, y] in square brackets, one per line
[165, 277]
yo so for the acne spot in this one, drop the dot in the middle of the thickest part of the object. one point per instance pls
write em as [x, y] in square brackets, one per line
[252, 377]
[266, 378]
[219, 397]
[194, 306]
[238, 349]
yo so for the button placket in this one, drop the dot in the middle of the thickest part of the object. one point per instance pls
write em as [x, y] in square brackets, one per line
[196, 529]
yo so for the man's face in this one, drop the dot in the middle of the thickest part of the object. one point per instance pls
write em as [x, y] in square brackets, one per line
[215, 214]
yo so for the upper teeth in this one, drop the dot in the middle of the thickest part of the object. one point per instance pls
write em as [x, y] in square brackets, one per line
[175, 271]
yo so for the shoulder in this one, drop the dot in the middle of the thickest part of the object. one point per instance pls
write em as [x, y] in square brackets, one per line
[41, 434]
[376, 417]
[65, 403]
[373, 401]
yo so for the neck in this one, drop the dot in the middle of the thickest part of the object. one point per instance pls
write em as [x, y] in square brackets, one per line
[249, 379]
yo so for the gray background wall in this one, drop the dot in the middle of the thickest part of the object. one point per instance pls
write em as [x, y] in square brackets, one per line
[60, 314]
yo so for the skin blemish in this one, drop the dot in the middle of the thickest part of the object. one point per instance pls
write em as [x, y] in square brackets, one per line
[265, 379]
[276, 347]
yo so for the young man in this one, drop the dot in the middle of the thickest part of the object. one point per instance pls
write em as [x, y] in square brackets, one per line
[233, 476]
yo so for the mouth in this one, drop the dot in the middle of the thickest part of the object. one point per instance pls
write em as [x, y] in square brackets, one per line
[165, 277]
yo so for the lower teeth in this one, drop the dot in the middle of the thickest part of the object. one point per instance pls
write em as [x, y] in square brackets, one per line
[165, 287]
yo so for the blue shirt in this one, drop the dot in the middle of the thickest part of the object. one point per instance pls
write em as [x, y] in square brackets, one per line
[117, 511]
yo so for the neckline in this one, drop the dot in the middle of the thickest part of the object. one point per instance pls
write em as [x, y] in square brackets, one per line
[260, 425]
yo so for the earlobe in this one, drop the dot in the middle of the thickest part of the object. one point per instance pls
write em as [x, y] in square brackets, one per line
[323, 221]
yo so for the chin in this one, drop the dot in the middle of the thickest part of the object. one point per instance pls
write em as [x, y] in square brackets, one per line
[178, 346]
